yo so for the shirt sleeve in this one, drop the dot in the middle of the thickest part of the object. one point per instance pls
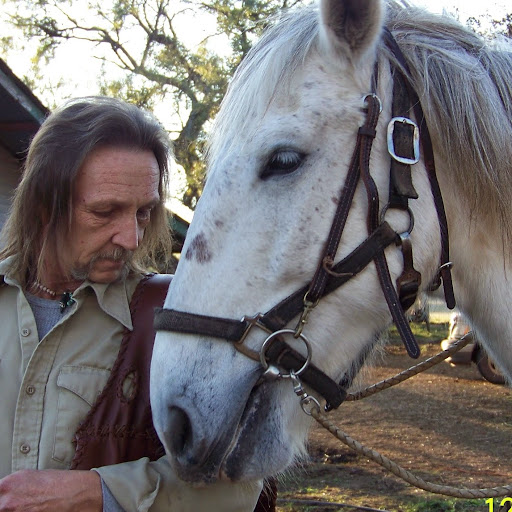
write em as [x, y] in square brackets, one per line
[142, 486]
[110, 504]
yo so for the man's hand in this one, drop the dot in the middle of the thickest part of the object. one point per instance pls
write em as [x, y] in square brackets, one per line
[51, 491]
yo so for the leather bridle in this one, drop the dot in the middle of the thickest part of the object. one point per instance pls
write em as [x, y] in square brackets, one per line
[403, 145]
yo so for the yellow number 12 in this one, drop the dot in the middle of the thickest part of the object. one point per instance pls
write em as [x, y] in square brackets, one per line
[503, 502]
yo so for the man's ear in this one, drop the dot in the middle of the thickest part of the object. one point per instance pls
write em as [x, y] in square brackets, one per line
[351, 26]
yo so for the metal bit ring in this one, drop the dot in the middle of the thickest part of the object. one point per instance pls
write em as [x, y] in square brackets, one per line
[270, 339]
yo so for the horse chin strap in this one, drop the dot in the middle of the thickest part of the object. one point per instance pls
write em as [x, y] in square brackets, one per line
[275, 353]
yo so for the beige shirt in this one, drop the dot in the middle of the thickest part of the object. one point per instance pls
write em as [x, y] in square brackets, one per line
[48, 386]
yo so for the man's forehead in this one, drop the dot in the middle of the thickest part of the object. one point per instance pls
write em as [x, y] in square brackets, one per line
[114, 172]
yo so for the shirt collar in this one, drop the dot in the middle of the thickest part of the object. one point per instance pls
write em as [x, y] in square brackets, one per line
[5, 265]
[113, 298]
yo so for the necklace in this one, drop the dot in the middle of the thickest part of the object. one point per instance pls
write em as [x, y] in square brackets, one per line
[66, 300]
[43, 288]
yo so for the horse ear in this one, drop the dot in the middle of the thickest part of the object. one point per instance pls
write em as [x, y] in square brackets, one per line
[352, 26]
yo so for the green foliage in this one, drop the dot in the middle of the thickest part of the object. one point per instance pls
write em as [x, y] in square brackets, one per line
[438, 331]
[448, 505]
[141, 38]
[504, 25]
[489, 27]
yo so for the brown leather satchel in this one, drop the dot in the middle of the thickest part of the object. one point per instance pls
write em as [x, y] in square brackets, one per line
[119, 426]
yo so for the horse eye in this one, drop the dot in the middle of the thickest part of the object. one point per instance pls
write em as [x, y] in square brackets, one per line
[282, 162]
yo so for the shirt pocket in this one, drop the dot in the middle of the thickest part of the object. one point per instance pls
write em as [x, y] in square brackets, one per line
[78, 389]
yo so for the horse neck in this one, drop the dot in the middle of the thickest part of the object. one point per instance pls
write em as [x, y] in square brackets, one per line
[482, 272]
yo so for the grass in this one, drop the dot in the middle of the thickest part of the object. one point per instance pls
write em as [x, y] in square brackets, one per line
[450, 505]
[438, 331]
[412, 504]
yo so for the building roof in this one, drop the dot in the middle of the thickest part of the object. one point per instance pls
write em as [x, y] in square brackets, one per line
[21, 113]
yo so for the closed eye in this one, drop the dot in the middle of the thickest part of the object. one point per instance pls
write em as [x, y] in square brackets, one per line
[282, 162]
[104, 213]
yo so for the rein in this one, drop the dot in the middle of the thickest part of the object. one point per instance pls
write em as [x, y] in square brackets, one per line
[400, 472]
[275, 353]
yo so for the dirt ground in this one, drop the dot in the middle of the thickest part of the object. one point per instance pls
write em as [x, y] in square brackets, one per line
[447, 425]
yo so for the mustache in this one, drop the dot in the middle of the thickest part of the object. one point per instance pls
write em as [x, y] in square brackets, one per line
[116, 254]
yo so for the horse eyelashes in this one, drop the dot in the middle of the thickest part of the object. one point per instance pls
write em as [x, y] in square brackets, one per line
[281, 163]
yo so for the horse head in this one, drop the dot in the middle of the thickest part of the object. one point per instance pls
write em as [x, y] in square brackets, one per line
[299, 138]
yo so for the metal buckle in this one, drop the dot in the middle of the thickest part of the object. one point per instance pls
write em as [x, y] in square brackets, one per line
[252, 321]
[415, 141]
[373, 96]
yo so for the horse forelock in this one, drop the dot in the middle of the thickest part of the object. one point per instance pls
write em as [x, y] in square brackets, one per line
[463, 81]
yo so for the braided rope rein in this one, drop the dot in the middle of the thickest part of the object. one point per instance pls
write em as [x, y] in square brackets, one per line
[397, 470]
[412, 371]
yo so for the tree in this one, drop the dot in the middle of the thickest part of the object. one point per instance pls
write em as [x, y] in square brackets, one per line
[504, 25]
[492, 27]
[141, 38]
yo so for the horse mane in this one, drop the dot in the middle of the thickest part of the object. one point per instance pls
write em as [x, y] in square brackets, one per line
[463, 81]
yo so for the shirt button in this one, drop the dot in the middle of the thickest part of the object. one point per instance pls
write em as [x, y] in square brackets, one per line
[25, 332]
[24, 448]
[30, 389]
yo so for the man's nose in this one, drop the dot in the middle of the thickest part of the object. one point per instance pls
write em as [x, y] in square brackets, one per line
[128, 233]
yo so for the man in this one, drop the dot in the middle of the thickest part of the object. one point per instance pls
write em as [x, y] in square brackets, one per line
[87, 219]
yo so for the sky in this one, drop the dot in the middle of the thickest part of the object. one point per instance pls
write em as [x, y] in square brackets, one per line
[465, 7]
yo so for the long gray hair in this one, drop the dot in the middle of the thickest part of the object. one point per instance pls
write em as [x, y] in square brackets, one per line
[43, 200]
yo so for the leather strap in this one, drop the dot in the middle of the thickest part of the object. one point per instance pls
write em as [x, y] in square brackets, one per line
[360, 157]
[285, 311]
[381, 265]
[401, 188]
[429, 162]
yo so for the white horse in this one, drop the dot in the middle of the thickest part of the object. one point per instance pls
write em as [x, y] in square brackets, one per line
[282, 148]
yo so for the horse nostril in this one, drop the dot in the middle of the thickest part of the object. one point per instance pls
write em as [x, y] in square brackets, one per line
[180, 429]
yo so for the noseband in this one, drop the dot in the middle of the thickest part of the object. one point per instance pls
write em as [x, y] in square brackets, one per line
[404, 138]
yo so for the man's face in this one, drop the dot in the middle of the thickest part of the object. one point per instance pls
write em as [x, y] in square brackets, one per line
[114, 194]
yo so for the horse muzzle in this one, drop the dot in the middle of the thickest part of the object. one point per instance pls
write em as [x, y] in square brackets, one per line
[208, 433]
